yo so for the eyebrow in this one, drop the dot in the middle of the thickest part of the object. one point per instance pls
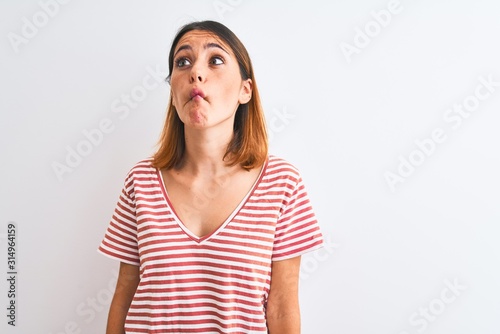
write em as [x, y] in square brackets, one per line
[206, 46]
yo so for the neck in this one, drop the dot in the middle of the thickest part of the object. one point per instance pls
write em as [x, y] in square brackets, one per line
[205, 152]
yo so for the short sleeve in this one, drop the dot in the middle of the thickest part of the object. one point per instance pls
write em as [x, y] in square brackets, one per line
[297, 230]
[120, 239]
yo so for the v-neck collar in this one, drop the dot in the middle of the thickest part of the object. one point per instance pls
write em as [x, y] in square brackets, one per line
[205, 238]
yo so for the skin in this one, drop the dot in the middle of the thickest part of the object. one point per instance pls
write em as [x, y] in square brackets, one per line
[205, 65]
[128, 280]
[283, 312]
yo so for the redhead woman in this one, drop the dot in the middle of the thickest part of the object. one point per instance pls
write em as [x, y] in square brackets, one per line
[210, 230]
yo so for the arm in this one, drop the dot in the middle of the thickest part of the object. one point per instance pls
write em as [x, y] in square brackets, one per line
[128, 280]
[283, 313]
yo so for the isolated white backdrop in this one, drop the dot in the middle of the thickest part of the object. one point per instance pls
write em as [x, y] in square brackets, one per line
[354, 92]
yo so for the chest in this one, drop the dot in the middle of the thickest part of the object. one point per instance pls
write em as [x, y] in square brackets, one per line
[244, 242]
[204, 205]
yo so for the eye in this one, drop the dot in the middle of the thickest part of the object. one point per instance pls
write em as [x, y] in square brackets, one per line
[217, 60]
[181, 62]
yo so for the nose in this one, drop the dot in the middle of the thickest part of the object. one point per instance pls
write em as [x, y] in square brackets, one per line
[196, 74]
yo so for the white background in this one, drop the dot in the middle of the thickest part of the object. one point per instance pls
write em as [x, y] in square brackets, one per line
[345, 121]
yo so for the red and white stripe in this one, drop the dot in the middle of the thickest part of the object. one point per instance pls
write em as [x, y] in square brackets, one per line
[218, 283]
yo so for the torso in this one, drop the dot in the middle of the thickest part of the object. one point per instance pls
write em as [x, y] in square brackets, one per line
[204, 203]
[221, 282]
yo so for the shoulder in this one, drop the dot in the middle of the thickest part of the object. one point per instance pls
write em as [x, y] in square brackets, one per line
[141, 177]
[275, 162]
[280, 167]
[141, 169]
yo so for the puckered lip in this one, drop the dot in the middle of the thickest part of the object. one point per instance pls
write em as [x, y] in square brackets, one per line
[197, 92]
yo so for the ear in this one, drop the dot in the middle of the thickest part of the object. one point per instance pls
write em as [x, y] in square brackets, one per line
[246, 91]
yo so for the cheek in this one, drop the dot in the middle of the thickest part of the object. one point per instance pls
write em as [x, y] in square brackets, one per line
[229, 90]
[172, 99]
[174, 88]
[175, 96]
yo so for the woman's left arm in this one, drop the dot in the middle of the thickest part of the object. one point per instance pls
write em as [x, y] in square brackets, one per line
[283, 312]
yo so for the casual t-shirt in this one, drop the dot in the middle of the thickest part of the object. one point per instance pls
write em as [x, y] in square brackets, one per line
[217, 283]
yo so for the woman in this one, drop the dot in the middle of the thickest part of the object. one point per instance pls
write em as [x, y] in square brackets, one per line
[210, 230]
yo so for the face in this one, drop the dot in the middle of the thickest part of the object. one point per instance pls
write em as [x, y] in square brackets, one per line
[206, 84]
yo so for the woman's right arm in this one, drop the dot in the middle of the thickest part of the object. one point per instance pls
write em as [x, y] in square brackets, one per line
[128, 280]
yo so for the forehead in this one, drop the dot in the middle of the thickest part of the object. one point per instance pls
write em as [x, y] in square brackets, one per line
[196, 38]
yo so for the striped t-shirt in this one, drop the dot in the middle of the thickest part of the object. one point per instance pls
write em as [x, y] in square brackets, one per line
[218, 283]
